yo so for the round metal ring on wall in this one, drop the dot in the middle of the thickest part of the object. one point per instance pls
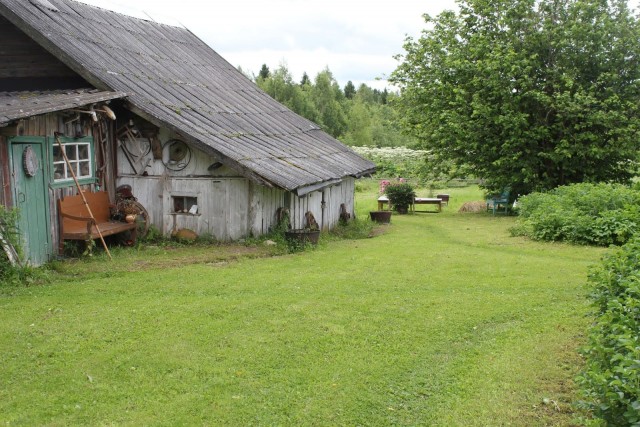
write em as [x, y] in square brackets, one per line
[29, 161]
[177, 153]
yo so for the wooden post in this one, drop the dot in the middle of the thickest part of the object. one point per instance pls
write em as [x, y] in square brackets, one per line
[86, 204]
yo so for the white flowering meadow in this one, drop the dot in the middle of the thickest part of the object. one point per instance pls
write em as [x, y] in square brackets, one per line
[394, 161]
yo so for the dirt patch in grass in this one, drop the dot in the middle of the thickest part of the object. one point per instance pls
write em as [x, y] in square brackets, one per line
[154, 257]
[217, 255]
[379, 230]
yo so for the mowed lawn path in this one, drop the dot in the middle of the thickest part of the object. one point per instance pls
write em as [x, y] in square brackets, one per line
[442, 320]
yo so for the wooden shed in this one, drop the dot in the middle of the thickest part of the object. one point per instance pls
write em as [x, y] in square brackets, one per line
[201, 146]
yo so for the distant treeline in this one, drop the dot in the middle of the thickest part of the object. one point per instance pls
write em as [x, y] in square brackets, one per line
[358, 116]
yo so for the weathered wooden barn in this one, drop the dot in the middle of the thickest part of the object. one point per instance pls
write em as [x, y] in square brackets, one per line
[201, 145]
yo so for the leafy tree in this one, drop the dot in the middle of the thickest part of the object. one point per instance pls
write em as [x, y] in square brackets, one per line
[384, 96]
[327, 97]
[386, 130]
[280, 86]
[361, 120]
[349, 90]
[366, 94]
[359, 132]
[305, 79]
[264, 72]
[527, 93]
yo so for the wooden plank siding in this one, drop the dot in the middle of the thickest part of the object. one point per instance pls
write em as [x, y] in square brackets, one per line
[24, 59]
[232, 208]
[44, 126]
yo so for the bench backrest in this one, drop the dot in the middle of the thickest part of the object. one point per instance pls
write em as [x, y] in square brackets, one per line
[74, 205]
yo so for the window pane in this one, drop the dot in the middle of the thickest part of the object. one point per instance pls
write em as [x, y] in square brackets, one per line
[58, 171]
[84, 169]
[83, 152]
[178, 204]
[71, 151]
[190, 201]
[57, 154]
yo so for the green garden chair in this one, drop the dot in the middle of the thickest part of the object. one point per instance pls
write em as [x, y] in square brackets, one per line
[499, 202]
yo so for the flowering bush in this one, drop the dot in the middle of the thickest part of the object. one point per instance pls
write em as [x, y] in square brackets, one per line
[400, 195]
[383, 185]
[395, 161]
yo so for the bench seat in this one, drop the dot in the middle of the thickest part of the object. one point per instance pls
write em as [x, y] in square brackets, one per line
[76, 224]
[106, 228]
[384, 200]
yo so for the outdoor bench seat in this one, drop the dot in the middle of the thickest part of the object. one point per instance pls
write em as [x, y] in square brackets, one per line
[499, 202]
[76, 223]
[384, 200]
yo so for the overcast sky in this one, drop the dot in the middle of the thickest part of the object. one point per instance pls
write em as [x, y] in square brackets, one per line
[356, 39]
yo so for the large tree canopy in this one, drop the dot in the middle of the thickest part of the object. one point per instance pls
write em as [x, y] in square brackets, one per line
[530, 94]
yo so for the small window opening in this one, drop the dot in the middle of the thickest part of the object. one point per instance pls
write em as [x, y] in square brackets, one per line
[185, 204]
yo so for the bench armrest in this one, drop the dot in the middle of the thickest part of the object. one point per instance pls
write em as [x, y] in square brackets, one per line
[77, 218]
[90, 221]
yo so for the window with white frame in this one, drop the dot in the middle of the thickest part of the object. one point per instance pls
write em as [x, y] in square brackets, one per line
[79, 155]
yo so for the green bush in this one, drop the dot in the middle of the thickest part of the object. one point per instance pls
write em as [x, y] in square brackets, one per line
[400, 195]
[15, 275]
[610, 382]
[8, 220]
[592, 214]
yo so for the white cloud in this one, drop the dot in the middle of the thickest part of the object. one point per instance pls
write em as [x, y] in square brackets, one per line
[357, 67]
[356, 39]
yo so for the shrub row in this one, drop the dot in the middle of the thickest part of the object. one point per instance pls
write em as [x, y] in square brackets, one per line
[610, 382]
[592, 214]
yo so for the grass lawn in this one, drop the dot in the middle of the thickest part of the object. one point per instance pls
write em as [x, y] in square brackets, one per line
[444, 319]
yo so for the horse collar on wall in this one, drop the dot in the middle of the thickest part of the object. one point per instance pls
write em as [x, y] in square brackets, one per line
[29, 161]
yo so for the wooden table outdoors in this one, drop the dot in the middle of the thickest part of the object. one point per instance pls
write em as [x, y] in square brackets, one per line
[427, 201]
[384, 200]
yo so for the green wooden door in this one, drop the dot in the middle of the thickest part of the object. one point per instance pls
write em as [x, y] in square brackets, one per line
[29, 173]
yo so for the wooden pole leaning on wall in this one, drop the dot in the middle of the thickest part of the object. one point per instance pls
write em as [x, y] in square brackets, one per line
[84, 199]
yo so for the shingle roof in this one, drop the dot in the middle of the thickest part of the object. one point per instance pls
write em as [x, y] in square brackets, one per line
[18, 105]
[175, 79]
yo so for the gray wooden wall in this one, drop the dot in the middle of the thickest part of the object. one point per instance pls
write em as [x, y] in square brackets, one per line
[230, 207]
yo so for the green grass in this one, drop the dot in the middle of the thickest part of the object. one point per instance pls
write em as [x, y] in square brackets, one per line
[444, 319]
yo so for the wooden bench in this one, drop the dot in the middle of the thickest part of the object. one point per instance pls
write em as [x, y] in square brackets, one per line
[444, 198]
[384, 200]
[76, 223]
[427, 201]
